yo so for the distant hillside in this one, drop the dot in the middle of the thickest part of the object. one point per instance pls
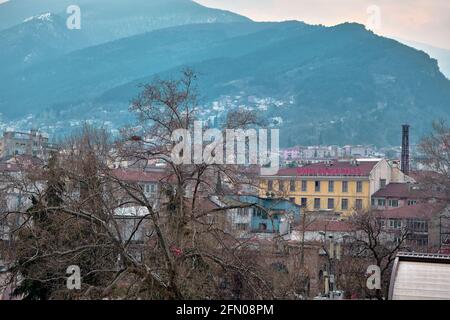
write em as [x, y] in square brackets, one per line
[107, 20]
[339, 84]
[442, 55]
[349, 85]
[33, 31]
[38, 39]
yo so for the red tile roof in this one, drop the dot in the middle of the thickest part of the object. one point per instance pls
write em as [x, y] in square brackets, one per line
[9, 167]
[203, 204]
[329, 226]
[421, 210]
[140, 175]
[20, 163]
[336, 168]
[407, 191]
[427, 176]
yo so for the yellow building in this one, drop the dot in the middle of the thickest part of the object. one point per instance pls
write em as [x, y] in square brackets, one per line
[343, 187]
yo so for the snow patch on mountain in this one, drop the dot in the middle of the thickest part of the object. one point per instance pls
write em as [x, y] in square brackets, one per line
[42, 17]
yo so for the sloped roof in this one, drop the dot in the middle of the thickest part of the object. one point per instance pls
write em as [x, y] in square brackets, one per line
[407, 191]
[329, 226]
[20, 163]
[421, 210]
[268, 203]
[140, 175]
[335, 168]
[426, 176]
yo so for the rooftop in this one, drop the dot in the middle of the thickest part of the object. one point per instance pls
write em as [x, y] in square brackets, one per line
[268, 204]
[140, 175]
[329, 226]
[426, 176]
[408, 191]
[421, 211]
[334, 168]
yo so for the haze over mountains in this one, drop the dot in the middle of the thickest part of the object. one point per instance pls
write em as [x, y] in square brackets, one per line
[332, 85]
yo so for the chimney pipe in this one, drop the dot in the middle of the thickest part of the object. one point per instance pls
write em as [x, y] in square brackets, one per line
[405, 149]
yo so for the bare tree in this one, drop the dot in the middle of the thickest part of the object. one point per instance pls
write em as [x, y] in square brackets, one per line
[371, 241]
[185, 249]
[434, 152]
[435, 148]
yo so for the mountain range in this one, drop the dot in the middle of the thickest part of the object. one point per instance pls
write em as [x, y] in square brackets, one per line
[319, 85]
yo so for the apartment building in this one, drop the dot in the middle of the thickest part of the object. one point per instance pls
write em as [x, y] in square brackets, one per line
[398, 195]
[33, 143]
[340, 186]
[424, 223]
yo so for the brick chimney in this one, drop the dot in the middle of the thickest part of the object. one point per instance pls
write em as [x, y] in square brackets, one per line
[405, 149]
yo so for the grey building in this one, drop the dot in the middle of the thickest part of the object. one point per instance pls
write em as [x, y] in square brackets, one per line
[31, 143]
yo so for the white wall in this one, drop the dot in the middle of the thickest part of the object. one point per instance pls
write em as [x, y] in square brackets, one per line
[317, 236]
[382, 170]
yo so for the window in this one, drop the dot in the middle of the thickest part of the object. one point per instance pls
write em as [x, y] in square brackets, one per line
[344, 204]
[257, 212]
[382, 183]
[150, 188]
[373, 202]
[317, 203]
[264, 215]
[381, 202]
[304, 186]
[417, 225]
[412, 202]
[281, 185]
[395, 223]
[270, 185]
[330, 203]
[304, 202]
[344, 186]
[393, 203]
[262, 227]
[359, 204]
[359, 186]
[330, 186]
[317, 186]
[422, 241]
[292, 200]
[292, 186]
[418, 240]
[242, 212]
[241, 226]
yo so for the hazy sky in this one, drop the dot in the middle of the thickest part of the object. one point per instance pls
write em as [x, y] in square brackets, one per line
[426, 21]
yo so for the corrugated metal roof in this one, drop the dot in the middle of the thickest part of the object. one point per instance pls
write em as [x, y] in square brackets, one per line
[418, 276]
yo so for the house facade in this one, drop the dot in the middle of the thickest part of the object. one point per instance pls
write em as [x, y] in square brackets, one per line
[398, 195]
[340, 186]
[250, 215]
[422, 222]
[31, 143]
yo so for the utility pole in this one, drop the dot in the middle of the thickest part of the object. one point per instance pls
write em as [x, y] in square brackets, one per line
[333, 253]
[302, 244]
